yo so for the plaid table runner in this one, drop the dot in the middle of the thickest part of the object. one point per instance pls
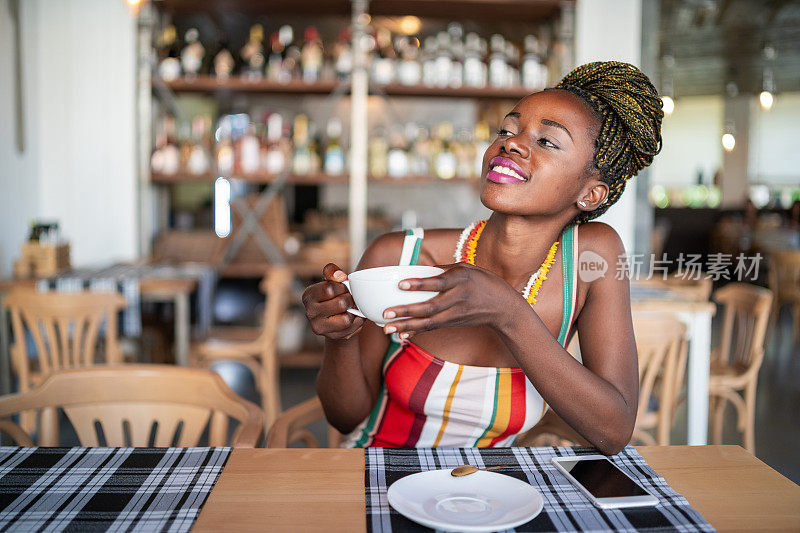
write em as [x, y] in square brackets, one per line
[125, 279]
[565, 507]
[105, 489]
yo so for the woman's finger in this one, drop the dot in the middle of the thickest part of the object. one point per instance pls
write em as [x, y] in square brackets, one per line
[411, 326]
[437, 304]
[444, 281]
[335, 306]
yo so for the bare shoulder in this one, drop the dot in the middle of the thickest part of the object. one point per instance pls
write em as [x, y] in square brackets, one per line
[601, 239]
[437, 248]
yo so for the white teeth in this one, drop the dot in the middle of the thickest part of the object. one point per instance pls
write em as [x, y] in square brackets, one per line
[507, 171]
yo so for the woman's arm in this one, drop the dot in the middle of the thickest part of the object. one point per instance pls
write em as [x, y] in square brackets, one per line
[597, 398]
[350, 376]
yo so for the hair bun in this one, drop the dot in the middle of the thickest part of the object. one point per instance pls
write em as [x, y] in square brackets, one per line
[631, 113]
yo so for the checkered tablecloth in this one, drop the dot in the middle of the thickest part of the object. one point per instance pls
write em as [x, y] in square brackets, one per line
[105, 489]
[565, 507]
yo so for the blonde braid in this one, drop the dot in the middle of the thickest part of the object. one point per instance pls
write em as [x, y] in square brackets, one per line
[630, 114]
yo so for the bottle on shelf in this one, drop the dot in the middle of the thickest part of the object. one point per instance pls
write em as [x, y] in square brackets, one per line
[421, 151]
[192, 54]
[456, 33]
[474, 67]
[224, 147]
[343, 55]
[445, 162]
[199, 158]
[378, 151]
[248, 147]
[252, 54]
[512, 72]
[444, 59]
[498, 61]
[397, 158]
[274, 148]
[169, 69]
[291, 54]
[168, 160]
[483, 138]
[311, 55]
[334, 161]
[383, 64]
[429, 53]
[464, 150]
[409, 70]
[301, 160]
[223, 63]
[534, 72]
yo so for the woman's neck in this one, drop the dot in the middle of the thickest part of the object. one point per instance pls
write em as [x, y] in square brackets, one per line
[515, 246]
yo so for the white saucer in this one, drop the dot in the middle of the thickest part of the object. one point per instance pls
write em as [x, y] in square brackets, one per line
[483, 501]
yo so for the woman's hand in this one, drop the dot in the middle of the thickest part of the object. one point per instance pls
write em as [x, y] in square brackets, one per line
[469, 296]
[327, 303]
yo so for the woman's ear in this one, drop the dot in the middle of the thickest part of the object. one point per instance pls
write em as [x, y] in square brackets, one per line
[594, 197]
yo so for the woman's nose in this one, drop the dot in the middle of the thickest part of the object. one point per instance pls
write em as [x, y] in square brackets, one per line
[516, 145]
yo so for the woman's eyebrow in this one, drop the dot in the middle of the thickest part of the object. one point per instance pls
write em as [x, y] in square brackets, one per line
[548, 122]
[513, 114]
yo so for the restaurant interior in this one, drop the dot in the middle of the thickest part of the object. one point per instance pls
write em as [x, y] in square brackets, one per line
[177, 173]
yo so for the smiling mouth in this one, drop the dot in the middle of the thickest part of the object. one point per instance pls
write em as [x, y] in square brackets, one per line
[503, 170]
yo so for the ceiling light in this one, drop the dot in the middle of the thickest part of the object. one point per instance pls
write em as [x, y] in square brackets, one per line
[728, 142]
[766, 100]
[668, 104]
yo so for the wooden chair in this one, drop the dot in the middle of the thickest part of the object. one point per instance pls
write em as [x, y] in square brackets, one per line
[663, 350]
[736, 361]
[290, 427]
[136, 405]
[258, 355]
[65, 328]
[784, 281]
[693, 289]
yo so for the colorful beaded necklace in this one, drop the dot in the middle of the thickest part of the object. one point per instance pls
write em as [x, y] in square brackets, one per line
[468, 243]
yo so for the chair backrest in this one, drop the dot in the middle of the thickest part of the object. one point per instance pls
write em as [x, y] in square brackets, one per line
[275, 285]
[65, 328]
[784, 273]
[662, 347]
[744, 324]
[140, 405]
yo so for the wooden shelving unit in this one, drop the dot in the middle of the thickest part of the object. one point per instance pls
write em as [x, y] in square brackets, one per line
[311, 179]
[210, 85]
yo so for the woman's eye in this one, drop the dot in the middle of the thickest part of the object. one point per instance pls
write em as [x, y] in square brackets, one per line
[547, 143]
[504, 133]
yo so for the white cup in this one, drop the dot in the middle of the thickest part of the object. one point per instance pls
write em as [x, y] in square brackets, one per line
[376, 289]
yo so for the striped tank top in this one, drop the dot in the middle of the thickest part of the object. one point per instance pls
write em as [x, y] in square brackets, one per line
[427, 402]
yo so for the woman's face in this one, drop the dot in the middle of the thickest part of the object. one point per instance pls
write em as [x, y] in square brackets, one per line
[537, 163]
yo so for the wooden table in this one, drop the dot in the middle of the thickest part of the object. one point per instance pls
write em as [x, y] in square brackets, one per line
[697, 316]
[323, 490]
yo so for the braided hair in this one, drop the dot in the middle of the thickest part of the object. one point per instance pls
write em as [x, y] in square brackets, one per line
[629, 111]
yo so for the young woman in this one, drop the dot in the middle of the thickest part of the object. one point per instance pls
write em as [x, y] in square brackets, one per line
[480, 363]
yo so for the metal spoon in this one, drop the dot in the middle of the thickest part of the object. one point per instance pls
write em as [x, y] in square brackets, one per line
[465, 470]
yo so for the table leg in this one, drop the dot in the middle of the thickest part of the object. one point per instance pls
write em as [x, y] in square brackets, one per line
[699, 371]
[182, 329]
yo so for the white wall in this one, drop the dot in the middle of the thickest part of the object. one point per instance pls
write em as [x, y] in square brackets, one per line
[18, 172]
[611, 30]
[691, 136]
[80, 169]
[775, 141]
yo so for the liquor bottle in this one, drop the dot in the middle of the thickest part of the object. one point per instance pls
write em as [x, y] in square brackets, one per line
[420, 153]
[157, 158]
[301, 160]
[429, 52]
[409, 71]
[311, 55]
[169, 68]
[342, 55]
[224, 145]
[248, 151]
[291, 54]
[171, 157]
[397, 159]
[273, 148]
[334, 154]
[512, 72]
[456, 33]
[383, 64]
[275, 60]
[446, 163]
[444, 59]
[378, 151]
[534, 73]
[498, 66]
[483, 139]
[224, 63]
[199, 158]
[474, 67]
[192, 54]
[252, 54]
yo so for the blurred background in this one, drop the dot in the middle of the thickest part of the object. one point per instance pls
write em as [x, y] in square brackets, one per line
[176, 149]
